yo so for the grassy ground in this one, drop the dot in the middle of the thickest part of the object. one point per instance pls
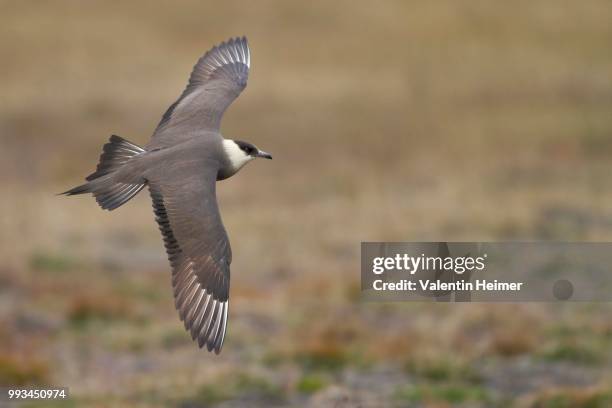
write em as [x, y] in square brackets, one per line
[393, 121]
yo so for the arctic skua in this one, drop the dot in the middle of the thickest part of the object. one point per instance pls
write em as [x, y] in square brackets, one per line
[180, 165]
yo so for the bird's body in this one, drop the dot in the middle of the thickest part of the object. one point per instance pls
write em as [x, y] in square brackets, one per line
[181, 164]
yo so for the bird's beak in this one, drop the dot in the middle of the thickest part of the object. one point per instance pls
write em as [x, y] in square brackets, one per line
[263, 155]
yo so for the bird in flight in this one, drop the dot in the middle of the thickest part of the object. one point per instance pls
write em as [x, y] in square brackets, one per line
[180, 165]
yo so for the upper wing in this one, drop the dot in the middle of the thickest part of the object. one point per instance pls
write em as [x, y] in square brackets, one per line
[216, 80]
[186, 210]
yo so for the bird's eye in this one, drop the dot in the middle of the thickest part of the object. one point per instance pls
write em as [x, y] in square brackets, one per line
[246, 148]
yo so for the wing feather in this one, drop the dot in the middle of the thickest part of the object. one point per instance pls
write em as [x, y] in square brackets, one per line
[215, 82]
[198, 250]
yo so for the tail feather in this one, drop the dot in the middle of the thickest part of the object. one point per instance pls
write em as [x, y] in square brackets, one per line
[108, 192]
[115, 153]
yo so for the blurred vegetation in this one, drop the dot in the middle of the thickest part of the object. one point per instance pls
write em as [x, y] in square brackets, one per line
[51, 262]
[22, 371]
[311, 383]
[590, 398]
[451, 394]
[400, 121]
[240, 386]
[87, 309]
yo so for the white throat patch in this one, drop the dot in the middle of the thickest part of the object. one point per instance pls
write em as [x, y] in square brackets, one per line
[237, 157]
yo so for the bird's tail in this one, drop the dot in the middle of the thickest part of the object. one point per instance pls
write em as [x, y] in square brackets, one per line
[108, 191]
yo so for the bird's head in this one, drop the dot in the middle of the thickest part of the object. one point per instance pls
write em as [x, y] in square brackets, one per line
[240, 153]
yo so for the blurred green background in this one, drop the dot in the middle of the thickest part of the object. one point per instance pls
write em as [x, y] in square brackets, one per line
[390, 121]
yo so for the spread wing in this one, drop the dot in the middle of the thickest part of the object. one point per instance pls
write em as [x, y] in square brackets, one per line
[216, 80]
[198, 249]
